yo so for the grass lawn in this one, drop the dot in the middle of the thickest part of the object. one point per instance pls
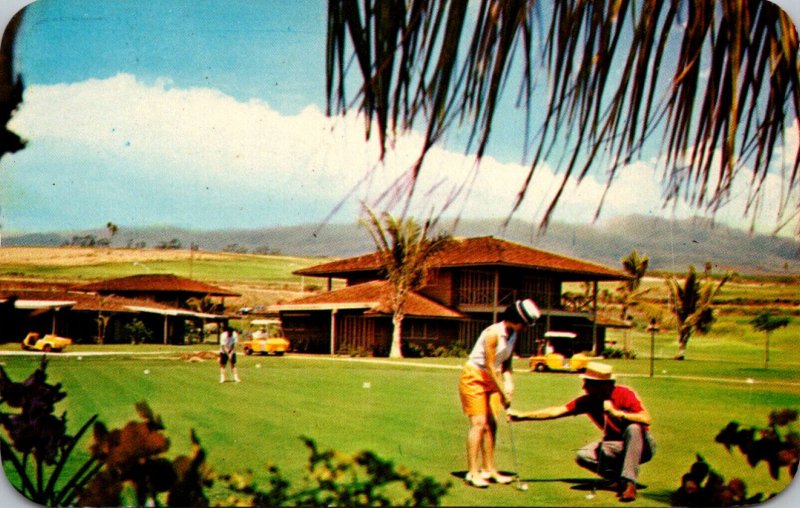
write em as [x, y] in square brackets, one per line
[410, 413]
[276, 269]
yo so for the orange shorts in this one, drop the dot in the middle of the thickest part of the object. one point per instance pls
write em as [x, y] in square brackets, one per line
[478, 394]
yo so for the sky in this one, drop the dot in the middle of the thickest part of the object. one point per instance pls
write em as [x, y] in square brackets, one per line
[210, 115]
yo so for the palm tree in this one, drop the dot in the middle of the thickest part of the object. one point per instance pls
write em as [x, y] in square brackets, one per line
[636, 267]
[112, 229]
[405, 251]
[715, 82]
[767, 323]
[692, 305]
[629, 293]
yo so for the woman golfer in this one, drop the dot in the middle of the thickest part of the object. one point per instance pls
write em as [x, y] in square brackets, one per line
[486, 386]
[227, 353]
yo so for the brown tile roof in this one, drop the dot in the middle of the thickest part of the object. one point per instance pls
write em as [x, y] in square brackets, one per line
[480, 251]
[83, 301]
[36, 300]
[11, 284]
[375, 296]
[167, 283]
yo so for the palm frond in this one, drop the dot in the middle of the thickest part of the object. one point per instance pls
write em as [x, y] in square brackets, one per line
[717, 82]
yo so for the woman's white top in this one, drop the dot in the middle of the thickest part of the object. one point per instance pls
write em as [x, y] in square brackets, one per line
[505, 346]
[227, 341]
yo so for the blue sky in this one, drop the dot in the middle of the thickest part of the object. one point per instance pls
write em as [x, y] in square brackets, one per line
[210, 115]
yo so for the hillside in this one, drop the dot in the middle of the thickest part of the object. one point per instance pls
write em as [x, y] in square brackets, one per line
[671, 245]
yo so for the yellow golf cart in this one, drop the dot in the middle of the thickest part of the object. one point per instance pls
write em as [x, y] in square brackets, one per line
[268, 339]
[559, 354]
[35, 342]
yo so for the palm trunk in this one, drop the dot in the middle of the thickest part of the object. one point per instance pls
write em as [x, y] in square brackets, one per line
[682, 341]
[396, 350]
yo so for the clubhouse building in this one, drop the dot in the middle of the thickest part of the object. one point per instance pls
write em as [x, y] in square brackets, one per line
[169, 307]
[471, 281]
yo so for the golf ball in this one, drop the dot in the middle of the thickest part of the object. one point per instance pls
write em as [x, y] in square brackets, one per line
[524, 486]
[147, 371]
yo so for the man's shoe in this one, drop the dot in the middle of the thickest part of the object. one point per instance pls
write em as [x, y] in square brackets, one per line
[629, 493]
[610, 485]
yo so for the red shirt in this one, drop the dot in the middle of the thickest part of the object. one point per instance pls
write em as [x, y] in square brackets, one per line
[623, 399]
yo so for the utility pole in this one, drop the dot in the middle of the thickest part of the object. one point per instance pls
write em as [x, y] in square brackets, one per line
[652, 328]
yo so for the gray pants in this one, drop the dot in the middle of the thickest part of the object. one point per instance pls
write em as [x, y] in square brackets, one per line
[619, 459]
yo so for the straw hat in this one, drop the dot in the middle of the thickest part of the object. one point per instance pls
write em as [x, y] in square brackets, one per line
[596, 371]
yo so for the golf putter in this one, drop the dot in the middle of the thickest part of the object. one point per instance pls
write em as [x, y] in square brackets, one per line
[518, 485]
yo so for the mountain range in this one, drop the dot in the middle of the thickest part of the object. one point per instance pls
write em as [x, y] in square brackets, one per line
[672, 245]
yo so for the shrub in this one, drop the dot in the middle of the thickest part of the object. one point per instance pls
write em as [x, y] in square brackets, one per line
[135, 471]
[137, 332]
[626, 354]
[34, 431]
[337, 479]
[429, 350]
[778, 445]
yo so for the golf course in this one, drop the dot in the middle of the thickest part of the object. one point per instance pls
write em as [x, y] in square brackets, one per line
[407, 411]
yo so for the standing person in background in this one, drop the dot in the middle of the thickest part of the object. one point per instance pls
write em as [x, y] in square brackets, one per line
[486, 387]
[227, 353]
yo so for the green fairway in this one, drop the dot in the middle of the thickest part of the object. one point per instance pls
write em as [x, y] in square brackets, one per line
[275, 269]
[409, 412]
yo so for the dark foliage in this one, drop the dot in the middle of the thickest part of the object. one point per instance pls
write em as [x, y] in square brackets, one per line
[337, 479]
[778, 445]
[38, 445]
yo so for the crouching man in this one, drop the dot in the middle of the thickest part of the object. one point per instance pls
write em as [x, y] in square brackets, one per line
[625, 423]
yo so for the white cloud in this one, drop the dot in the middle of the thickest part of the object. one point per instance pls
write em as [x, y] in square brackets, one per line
[141, 153]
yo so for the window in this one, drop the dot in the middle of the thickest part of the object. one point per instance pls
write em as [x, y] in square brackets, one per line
[476, 287]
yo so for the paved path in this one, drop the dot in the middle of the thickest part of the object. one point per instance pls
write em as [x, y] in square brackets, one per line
[401, 363]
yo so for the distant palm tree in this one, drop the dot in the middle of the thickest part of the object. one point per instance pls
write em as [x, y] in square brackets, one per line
[692, 305]
[405, 251]
[767, 323]
[203, 305]
[636, 267]
[717, 81]
[112, 229]
[629, 293]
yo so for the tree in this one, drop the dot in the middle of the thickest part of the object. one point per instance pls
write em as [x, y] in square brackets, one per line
[10, 88]
[405, 251]
[692, 305]
[767, 323]
[204, 305]
[721, 106]
[629, 293]
[635, 266]
[102, 320]
[112, 229]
